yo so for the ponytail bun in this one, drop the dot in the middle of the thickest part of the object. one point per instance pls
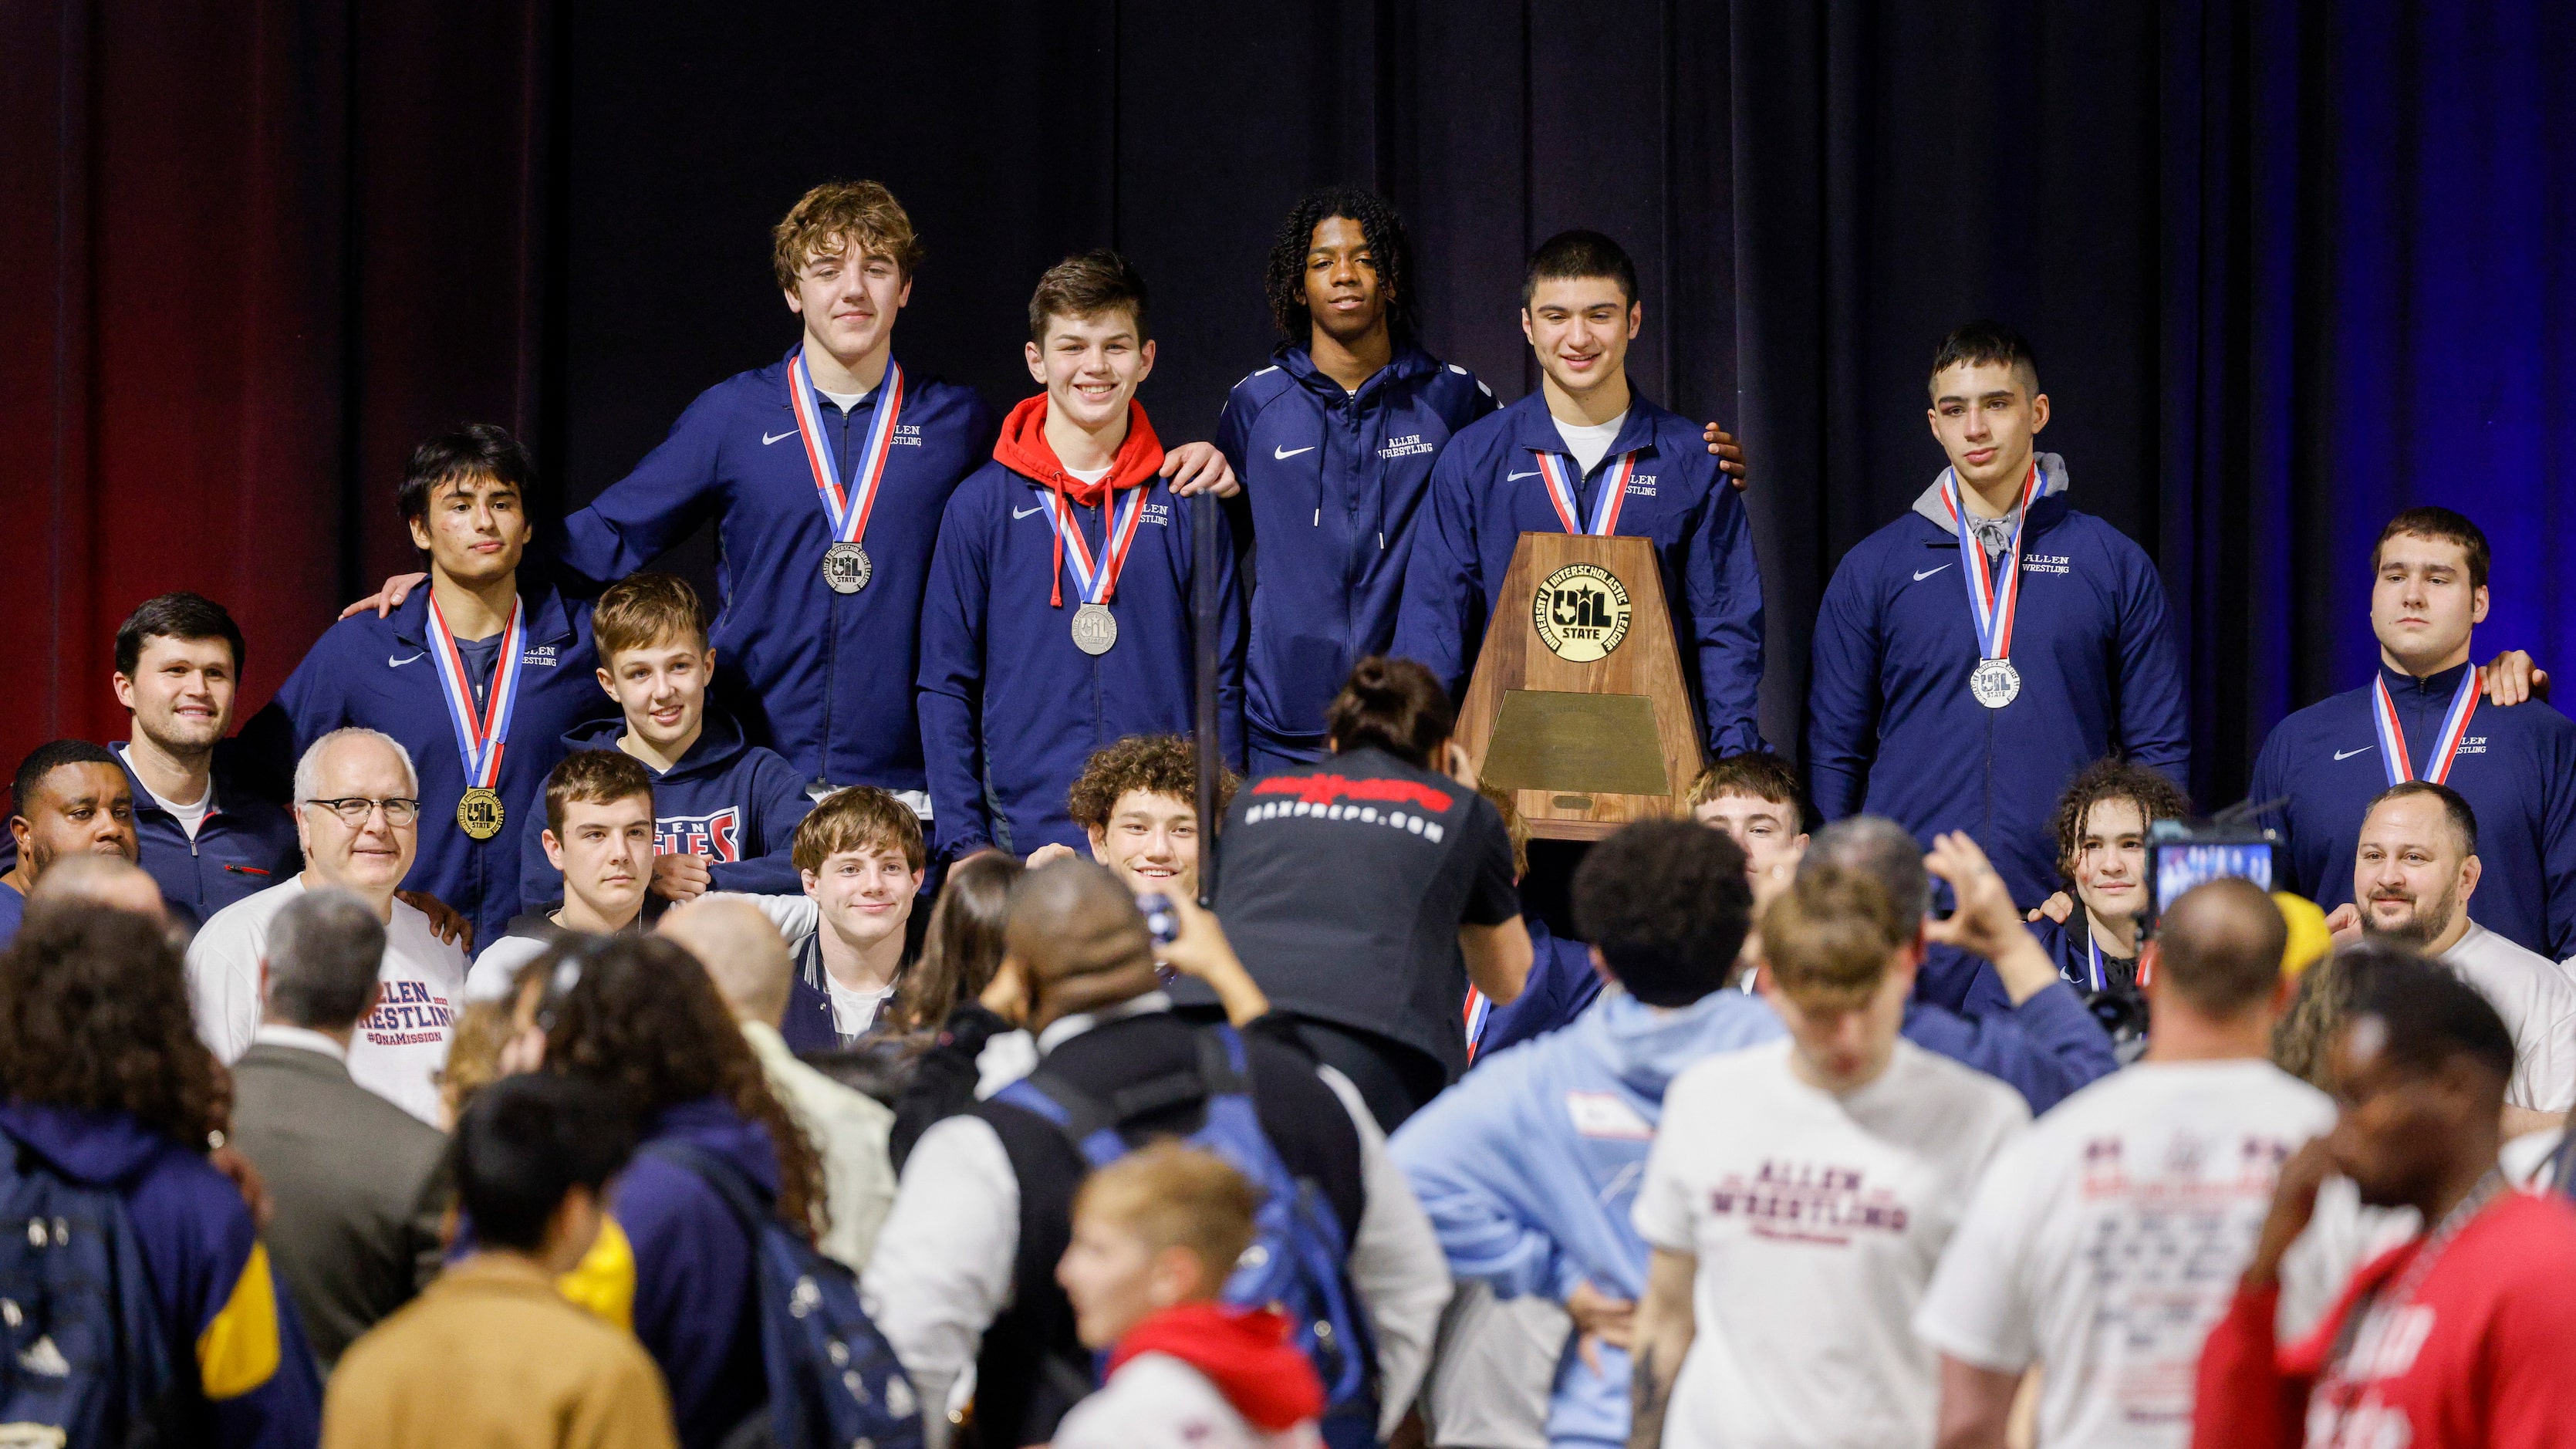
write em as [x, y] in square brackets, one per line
[1393, 705]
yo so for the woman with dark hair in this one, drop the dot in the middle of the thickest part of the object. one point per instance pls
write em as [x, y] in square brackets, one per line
[1366, 891]
[108, 1091]
[639, 1016]
[962, 944]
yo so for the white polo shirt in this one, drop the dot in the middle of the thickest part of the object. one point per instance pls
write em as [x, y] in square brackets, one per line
[398, 1048]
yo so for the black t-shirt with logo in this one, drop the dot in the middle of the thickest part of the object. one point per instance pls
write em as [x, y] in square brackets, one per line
[1343, 885]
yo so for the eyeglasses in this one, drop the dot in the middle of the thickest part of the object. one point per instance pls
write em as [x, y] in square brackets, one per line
[353, 810]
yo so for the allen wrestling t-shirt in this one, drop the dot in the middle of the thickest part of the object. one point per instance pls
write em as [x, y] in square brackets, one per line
[1343, 885]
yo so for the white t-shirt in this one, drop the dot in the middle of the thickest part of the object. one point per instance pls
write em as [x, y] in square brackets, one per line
[1090, 475]
[398, 1048]
[854, 1011]
[1817, 1220]
[846, 401]
[1589, 442]
[498, 967]
[190, 817]
[2107, 1240]
[2538, 1007]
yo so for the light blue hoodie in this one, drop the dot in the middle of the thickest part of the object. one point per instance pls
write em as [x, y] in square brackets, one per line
[1528, 1167]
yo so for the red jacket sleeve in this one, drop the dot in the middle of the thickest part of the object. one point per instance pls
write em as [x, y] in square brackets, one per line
[2245, 1399]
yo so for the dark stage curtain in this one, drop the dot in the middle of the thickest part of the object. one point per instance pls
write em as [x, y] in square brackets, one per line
[2288, 266]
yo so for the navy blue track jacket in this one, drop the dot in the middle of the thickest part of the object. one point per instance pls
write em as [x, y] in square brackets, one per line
[1006, 697]
[1333, 480]
[1486, 491]
[2515, 766]
[1892, 729]
[732, 802]
[823, 678]
[377, 673]
[245, 844]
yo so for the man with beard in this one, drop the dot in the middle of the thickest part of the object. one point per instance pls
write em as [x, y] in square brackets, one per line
[69, 798]
[2412, 874]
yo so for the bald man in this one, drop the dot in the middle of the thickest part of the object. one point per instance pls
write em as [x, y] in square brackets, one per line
[2174, 1159]
[106, 880]
[748, 960]
[964, 1272]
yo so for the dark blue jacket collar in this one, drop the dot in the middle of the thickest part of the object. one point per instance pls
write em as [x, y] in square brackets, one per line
[1407, 362]
[1532, 427]
[2438, 686]
[549, 621]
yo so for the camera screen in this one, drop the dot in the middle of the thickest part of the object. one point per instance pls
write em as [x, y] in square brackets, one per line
[2182, 865]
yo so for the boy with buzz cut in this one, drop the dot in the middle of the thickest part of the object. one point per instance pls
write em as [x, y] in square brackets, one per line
[598, 840]
[1155, 1236]
[1587, 453]
[725, 809]
[1058, 618]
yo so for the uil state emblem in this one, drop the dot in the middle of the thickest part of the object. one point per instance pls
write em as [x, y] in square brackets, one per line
[1580, 613]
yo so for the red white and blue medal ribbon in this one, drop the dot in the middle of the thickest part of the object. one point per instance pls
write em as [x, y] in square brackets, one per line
[481, 733]
[1095, 583]
[2393, 755]
[1992, 602]
[1605, 508]
[1480, 1009]
[845, 509]
[2093, 950]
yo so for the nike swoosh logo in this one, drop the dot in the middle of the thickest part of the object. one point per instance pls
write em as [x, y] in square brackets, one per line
[1025, 512]
[768, 438]
[1921, 574]
[394, 663]
[2348, 754]
[1284, 454]
[1508, 477]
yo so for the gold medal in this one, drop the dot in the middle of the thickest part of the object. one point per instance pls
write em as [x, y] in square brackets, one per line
[479, 813]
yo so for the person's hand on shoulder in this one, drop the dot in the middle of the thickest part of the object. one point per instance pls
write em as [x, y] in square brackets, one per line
[1729, 453]
[1200, 468]
[2511, 677]
[384, 601]
[444, 922]
[1049, 854]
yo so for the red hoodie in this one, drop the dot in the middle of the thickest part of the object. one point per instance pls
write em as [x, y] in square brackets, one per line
[2479, 1360]
[1023, 448]
[1243, 1351]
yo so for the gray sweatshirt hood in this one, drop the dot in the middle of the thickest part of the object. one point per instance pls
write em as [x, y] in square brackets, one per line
[2052, 479]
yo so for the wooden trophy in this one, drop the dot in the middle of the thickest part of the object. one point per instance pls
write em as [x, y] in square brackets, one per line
[1578, 705]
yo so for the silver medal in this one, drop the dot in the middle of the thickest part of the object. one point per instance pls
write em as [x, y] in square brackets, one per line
[1995, 683]
[846, 568]
[1095, 629]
